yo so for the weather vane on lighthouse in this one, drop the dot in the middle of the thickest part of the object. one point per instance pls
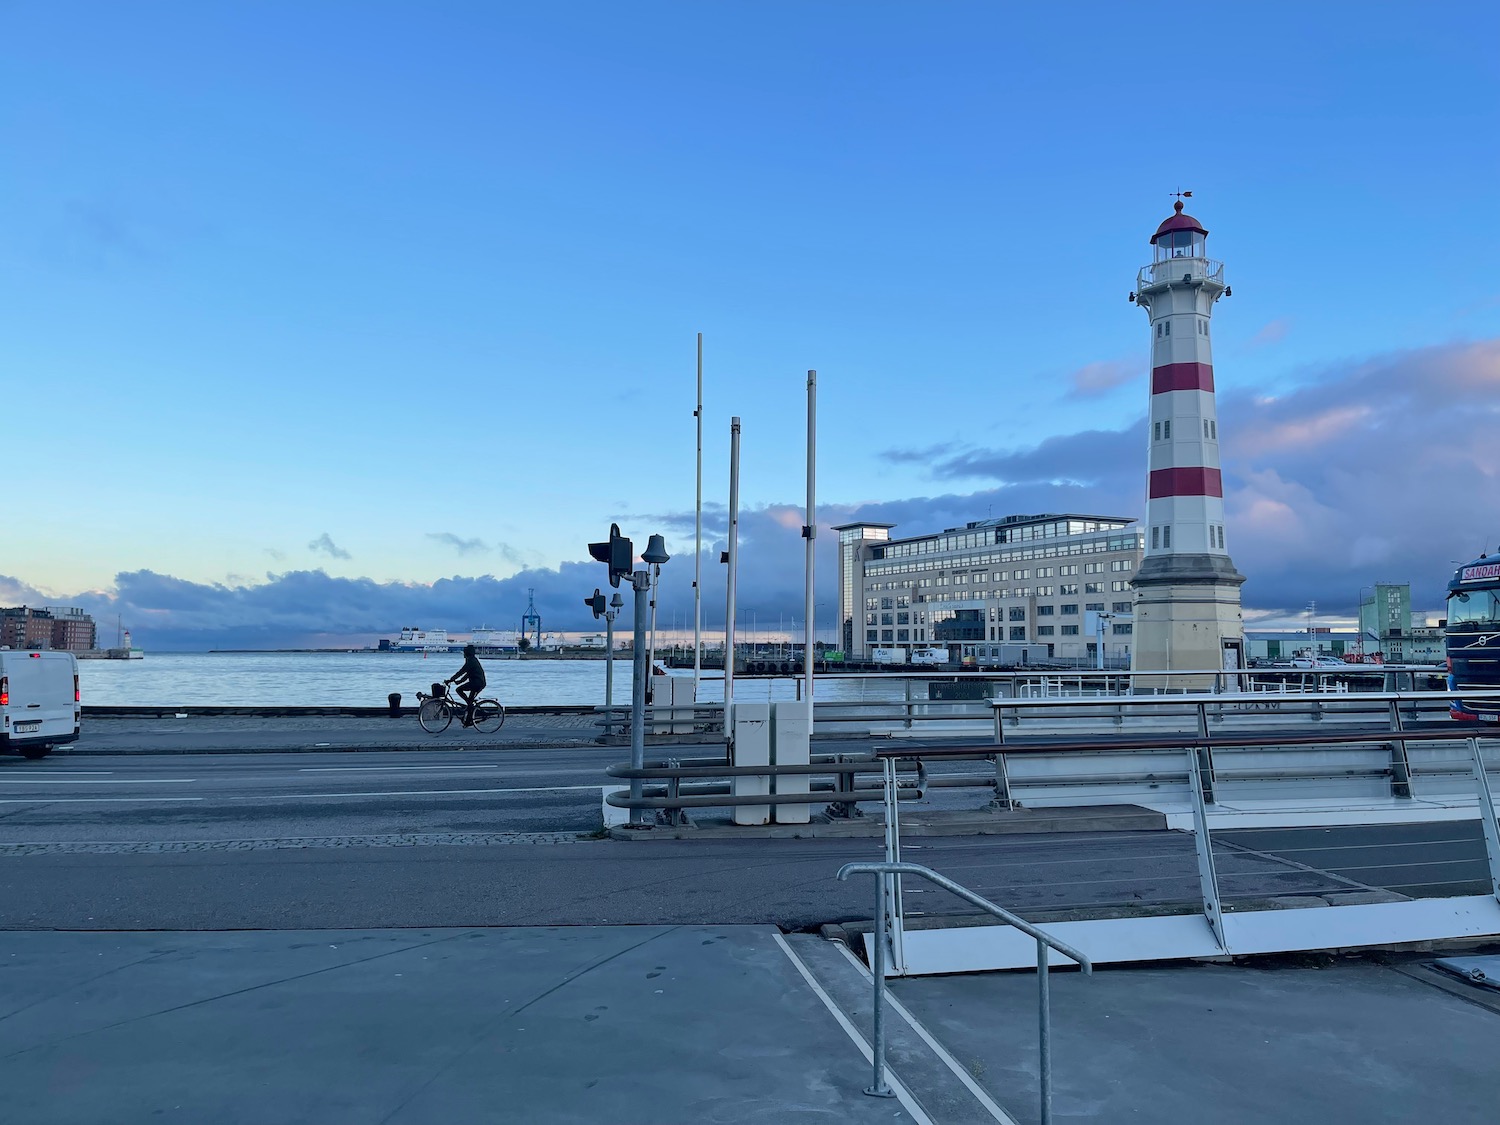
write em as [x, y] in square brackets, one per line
[1180, 194]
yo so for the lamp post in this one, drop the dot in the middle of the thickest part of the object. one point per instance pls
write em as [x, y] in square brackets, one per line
[616, 604]
[640, 581]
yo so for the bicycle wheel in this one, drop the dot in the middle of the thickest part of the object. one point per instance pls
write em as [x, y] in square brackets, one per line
[489, 716]
[435, 715]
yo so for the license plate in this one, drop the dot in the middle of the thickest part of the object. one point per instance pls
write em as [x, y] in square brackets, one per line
[27, 728]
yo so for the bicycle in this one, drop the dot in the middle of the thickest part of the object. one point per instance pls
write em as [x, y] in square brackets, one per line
[436, 711]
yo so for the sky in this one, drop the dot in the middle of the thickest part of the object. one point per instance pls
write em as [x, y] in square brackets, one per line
[322, 319]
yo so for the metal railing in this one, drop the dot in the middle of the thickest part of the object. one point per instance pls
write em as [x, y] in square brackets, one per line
[887, 870]
[1175, 269]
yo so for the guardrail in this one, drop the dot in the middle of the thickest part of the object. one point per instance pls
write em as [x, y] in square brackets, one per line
[1127, 768]
[833, 778]
[888, 870]
[902, 698]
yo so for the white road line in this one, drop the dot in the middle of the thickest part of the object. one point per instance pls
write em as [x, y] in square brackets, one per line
[117, 781]
[90, 800]
[415, 793]
[918, 1114]
[380, 768]
[960, 1072]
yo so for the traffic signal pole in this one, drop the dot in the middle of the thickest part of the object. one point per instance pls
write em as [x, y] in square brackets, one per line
[640, 582]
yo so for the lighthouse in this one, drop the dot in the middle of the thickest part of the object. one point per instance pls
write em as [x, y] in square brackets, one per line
[1187, 591]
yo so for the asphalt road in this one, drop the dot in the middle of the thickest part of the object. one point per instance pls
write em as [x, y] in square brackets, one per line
[503, 837]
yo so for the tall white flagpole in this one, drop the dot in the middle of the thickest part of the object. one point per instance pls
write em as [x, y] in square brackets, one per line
[810, 533]
[698, 542]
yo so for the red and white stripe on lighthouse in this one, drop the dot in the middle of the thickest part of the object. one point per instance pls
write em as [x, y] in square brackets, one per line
[1185, 491]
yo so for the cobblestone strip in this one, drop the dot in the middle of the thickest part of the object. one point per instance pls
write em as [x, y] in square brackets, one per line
[396, 840]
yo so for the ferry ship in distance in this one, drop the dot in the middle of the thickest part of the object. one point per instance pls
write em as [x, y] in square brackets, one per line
[413, 639]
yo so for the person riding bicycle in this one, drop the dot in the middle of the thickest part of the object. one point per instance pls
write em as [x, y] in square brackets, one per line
[469, 681]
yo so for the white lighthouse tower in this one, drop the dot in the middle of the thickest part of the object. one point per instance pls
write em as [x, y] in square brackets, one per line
[1187, 592]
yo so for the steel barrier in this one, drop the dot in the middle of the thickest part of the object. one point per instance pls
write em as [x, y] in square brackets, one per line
[890, 870]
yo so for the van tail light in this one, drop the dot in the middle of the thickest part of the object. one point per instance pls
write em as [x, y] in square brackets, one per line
[4, 691]
[76, 696]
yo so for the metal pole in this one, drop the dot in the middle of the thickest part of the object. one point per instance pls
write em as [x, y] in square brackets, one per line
[609, 669]
[698, 539]
[877, 1087]
[810, 532]
[734, 539]
[1044, 1028]
[651, 643]
[640, 582]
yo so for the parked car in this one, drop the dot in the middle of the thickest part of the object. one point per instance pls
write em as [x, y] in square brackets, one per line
[1317, 662]
[38, 701]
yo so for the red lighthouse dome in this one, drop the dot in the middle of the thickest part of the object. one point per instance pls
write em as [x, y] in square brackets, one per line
[1179, 236]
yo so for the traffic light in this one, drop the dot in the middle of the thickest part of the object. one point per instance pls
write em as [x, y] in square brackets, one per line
[596, 603]
[617, 554]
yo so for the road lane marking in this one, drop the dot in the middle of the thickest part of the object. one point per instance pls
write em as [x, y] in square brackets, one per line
[378, 769]
[89, 800]
[116, 781]
[415, 793]
[859, 1040]
[938, 1049]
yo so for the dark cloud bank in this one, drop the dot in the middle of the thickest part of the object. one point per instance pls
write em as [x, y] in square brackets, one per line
[1383, 470]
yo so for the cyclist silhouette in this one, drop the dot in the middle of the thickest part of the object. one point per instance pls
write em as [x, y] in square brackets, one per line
[469, 681]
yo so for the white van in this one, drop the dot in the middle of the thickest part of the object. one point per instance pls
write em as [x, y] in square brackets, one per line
[39, 701]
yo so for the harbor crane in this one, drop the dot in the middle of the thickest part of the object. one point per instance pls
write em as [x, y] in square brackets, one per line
[531, 621]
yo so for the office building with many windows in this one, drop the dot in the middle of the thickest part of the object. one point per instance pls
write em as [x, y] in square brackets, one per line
[1059, 580]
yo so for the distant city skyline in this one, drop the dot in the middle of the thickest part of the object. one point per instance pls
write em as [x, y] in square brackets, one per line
[327, 320]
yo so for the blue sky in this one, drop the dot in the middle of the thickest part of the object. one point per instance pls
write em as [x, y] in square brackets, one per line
[320, 319]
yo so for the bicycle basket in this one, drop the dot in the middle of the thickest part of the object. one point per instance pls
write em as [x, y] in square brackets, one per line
[439, 690]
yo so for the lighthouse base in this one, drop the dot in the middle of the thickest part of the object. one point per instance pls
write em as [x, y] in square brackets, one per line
[1187, 619]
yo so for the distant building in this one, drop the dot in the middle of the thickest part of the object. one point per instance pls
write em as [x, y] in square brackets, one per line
[65, 629]
[23, 627]
[1015, 580]
[72, 629]
[1388, 626]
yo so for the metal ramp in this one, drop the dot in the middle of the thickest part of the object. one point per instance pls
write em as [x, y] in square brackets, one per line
[1211, 933]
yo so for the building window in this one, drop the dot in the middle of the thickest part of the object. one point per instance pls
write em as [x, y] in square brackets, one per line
[903, 634]
[1093, 587]
[1094, 607]
[1018, 613]
[1044, 630]
[1214, 430]
[869, 619]
[1119, 586]
[1070, 630]
[1122, 630]
[885, 619]
[1169, 327]
[887, 603]
[1166, 538]
[903, 618]
[1018, 632]
[1045, 610]
[1020, 574]
[1122, 607]
[1093, 568]
[903, 602]
[887, 635]
[1070, 610]
[1166, 430]
[1205, 427]
[1156, 431]
[1155, 538]
[870, 635]
[1045, 591]
[1067, 571]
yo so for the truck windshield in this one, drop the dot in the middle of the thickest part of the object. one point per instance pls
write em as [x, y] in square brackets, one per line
[1474, 607]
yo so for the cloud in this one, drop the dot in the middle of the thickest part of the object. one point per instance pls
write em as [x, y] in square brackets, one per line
[461, 545]
[1384, 469]
[327, 546]
[1273, 332]
[1095, 379]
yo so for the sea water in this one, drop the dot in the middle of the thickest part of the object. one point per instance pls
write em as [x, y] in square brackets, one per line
[365, 679]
